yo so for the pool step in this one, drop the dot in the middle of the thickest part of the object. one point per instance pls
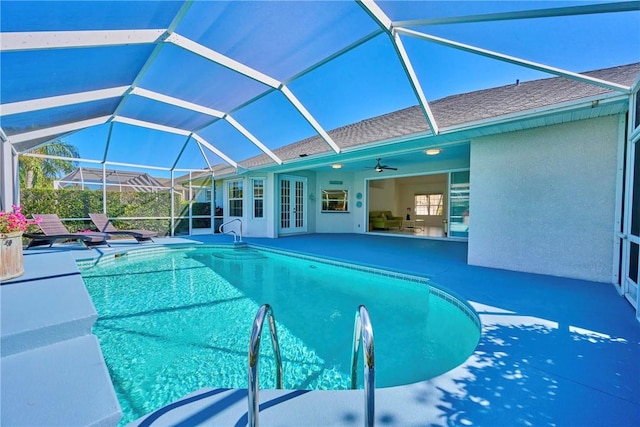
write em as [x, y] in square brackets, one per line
[285, 408]
[66, 383]
[52, 368]
[40, 312]
[239, 254]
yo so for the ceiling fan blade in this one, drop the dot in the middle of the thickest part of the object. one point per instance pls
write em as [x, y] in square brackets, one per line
[380, 167]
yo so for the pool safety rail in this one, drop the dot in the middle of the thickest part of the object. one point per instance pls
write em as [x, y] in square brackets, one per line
[362, 330]
[265, 311]
[235, 234]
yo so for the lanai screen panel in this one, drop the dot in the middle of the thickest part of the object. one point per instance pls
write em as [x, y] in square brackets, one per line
[193, 157]
[91, 142]
[278, 38]
[138, 145]
[165, 114]
[274, 121]
[229, 140]
[41, 119]
[448, 10]
[181, 74]
[86, 15]
[365, 82]
[35, 142]
[35, 74]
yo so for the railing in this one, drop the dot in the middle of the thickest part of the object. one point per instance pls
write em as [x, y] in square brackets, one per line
[363, 329]
[221, 229]
[254, 352]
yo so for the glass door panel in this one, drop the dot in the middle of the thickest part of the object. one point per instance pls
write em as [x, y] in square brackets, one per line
[292, 204]
[459, 204]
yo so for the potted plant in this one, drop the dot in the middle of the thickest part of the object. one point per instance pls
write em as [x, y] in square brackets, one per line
[12, 225]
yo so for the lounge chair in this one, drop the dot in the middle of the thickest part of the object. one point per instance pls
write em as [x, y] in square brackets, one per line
[104, 225]
[53, 230]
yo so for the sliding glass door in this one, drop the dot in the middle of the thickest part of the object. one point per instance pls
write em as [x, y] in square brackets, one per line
[630, 233]
[459, 204]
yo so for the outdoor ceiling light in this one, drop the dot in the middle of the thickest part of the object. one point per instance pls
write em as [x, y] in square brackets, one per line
[336, 165]
[433, 151]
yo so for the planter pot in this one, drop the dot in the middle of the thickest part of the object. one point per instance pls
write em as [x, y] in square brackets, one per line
[11, 260]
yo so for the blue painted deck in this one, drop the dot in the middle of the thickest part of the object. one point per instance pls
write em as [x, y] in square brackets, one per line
[554, 351]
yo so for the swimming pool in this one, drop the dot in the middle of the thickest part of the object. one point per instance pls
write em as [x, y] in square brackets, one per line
[172, 321]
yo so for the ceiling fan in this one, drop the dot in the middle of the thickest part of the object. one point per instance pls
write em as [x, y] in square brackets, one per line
[380, 167]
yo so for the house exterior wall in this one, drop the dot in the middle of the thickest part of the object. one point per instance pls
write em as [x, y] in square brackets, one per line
[251, 226]
[334, 222]
[543, 200]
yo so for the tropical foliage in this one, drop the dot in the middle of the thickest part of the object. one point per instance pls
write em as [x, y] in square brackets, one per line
[38, 172]
[76, 203]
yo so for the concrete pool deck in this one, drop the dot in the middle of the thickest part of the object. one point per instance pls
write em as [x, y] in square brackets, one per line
[553, 351]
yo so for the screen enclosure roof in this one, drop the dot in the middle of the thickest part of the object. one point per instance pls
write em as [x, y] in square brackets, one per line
[210, 84]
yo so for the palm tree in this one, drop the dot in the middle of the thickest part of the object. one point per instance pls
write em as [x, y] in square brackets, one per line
[37, 172]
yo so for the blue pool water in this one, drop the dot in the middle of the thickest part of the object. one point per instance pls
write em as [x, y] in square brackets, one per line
[172, 321]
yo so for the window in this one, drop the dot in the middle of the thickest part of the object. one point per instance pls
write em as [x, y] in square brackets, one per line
[335, 200]
[235, 197]
[429, 204]
[258, 198]
[207, 195]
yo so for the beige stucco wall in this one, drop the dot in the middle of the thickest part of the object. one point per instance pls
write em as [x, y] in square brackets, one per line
[543, 200]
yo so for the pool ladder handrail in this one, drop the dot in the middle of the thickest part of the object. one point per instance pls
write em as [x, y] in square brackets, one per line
[235, 235]
[362, 329]
[254, 352]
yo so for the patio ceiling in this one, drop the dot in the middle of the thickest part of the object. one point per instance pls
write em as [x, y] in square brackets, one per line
[191, 85]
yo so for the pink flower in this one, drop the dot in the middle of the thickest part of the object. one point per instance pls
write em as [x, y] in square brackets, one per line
[10, 222]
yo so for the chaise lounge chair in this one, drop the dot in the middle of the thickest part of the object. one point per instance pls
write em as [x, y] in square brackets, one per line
[104, 225]
[53, 230]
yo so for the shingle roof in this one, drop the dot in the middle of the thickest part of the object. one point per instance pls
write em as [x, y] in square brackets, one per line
[136, 181]
[456, 110]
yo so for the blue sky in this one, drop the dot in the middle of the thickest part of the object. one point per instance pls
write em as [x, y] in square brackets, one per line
[367, 81]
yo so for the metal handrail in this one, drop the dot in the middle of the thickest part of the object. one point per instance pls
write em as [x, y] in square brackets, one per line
[220, 229]
[254, 351]
[363, 329]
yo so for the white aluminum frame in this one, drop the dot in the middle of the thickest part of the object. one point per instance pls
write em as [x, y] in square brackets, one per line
[633, 144]
[386, 24]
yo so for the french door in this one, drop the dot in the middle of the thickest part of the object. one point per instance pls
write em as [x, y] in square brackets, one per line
[293, 204]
